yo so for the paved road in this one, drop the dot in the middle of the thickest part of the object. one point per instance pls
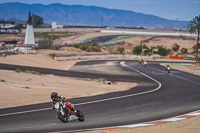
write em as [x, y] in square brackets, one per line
[102, 39]
[178, 94]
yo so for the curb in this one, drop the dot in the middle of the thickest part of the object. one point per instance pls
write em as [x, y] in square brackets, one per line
[151, 123]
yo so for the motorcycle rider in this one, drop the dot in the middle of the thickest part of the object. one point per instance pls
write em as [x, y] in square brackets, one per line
[145, 63]
[168, 68]
[140, 61]
[55, 98]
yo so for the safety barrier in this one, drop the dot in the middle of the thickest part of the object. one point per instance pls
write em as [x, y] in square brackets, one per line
[176, 57]
[98, 31]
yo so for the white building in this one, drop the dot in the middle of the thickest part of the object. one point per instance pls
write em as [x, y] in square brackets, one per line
[6, 25]
[55, 25]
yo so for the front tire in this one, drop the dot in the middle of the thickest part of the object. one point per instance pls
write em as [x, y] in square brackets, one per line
[80, 115]
[62, 118]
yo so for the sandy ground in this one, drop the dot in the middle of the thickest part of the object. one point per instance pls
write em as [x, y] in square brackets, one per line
[194, 69]
[169, 42]
[42, 59]
[166, 42]
[25, 88]
[132, 42]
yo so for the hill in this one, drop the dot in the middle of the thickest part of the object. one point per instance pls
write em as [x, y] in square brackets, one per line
[87, 15]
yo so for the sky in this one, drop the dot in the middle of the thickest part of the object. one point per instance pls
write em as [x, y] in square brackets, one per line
[169, 9]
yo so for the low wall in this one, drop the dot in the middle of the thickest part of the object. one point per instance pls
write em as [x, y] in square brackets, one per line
[102, 57]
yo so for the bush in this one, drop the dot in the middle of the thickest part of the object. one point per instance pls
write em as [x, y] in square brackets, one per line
[94, 43]
[27, 87]
[175, 47]
[18, 70]
[138, 49]
[94, 49]
[76, 45]
[184, 50]
[3, 80]
[89, 48]
[84, 48]
[169, 51]
[120, 50]
[162, 51]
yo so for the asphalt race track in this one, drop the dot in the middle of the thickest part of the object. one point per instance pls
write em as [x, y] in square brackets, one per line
[158, 95]
[102, 39]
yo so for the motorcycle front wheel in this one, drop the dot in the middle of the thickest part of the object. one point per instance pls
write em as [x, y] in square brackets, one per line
[80, 115]
[62, 118]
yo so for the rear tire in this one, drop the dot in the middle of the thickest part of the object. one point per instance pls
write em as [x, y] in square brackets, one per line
[62, 118]
[80, 115]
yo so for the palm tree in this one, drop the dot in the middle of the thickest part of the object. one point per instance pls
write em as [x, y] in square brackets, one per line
[194, 27]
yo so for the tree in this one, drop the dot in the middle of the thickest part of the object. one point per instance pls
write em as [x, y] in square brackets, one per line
[162, 51]
[184, 50]
[3, 21]
[138, 49]
[194, 27]
[120, 50]
[169, 51]
[37, 20]
[7, 22]
[175, 47]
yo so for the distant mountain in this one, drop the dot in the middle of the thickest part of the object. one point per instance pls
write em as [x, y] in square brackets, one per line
[24, 22]
[17, 21]
[87, 16]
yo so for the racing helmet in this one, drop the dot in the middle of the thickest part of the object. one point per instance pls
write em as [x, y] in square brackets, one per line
[54, 95]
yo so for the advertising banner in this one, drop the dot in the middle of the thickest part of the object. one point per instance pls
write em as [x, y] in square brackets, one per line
[9, 31]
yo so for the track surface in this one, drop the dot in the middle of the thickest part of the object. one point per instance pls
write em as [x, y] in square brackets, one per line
[103, 39]
[179, 94]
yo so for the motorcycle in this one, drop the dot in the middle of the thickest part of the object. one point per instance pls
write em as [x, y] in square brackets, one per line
[168, 69]
[64, 113]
